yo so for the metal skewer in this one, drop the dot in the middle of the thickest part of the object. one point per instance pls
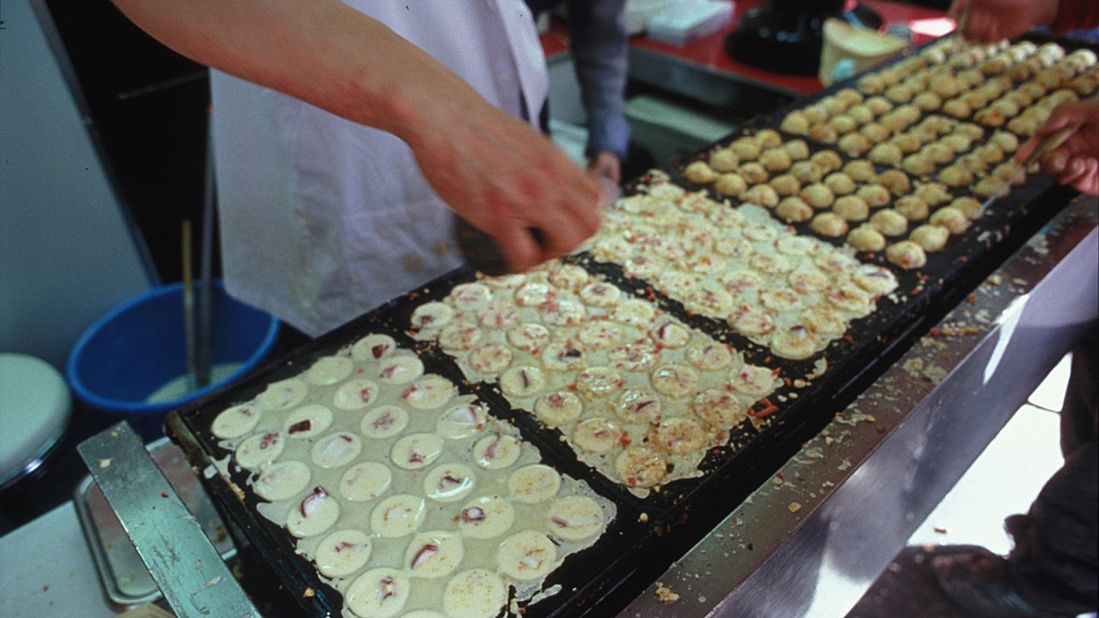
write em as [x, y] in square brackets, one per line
[1048, 144]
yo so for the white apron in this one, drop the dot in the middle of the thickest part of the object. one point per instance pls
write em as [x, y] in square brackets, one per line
[323, 219]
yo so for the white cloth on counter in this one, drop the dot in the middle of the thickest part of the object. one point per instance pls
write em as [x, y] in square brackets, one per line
[323, 219]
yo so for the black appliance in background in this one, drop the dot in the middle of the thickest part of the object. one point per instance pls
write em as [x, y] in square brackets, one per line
[785, 36]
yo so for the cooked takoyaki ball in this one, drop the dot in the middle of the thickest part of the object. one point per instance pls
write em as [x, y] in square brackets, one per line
[973, 163]
[889, 222]
[776, 160]
[1086, 84]
[866, 238]
[768, 138]
[1010, 172]
[933, 193]
[753, 172]
[950, 218]
[854, 144]
[907, 142]
[843, 124]
[829, 224]
[861, 114]
[875, 132]
[975, 99]
[1064, 95]
[730, 184]
[871, 84]
[956, 176]
[939, 124]
[724, 160]
[968, 206]
[993, 66]
[833, 105]
[893, 121]
[928, 101]
[990, 153]
[886, 154]
[827, 160]
[816, 114]
[878, 105]
[957, 108]
[989, 186]
[956, 142]
[1050, 53]
[912, 207]
[935, 54]
[860, 170]
[899, 93]
[1022, 50]
[1007, 107]
[874, 195]
[970, 78]
[924, 133]
[807, 172]
[699, 172]
[991, 117]
[931, 238]
[797, 149]
[849, 96]
[1084, 57]
[818, 195]
[918, 164]
[946, 85]
[1033, 90]
[1025, 70]
[746, 149]
[793, 210]
[896, 181]
[1051, 78]
[840, 183]
[910, 113]
[785, 185]
[851, 208]
[970, 130]
[938, 152]
[906, 254]
[763, 194]
[823, 134]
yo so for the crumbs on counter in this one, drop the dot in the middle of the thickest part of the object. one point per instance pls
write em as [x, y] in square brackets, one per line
[665, 595]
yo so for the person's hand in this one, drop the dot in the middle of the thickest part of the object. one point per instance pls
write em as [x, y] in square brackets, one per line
[993, 20]
[504, 178]
[1075, 162]
[605, 164]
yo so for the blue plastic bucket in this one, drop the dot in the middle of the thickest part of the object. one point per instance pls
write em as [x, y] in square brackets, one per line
[139, 346]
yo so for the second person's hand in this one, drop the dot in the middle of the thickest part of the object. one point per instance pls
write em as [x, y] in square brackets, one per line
[1074, 163]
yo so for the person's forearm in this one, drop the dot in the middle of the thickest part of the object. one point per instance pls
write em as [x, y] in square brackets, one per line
[320, 51]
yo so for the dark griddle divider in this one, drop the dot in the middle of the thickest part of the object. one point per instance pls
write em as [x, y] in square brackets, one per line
[623, 562]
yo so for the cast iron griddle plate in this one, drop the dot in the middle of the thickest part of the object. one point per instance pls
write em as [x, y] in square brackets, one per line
[638, 539]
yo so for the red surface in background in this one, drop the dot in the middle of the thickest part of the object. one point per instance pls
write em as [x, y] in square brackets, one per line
[710, 51]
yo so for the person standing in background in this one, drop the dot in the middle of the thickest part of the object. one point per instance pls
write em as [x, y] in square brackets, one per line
[345, 132]
[1053, 569]
[600, 54]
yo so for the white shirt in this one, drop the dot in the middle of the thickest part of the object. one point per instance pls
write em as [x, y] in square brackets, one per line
[323, 219]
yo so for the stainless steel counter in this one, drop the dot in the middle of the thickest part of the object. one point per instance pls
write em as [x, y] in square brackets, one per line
[810, 542]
